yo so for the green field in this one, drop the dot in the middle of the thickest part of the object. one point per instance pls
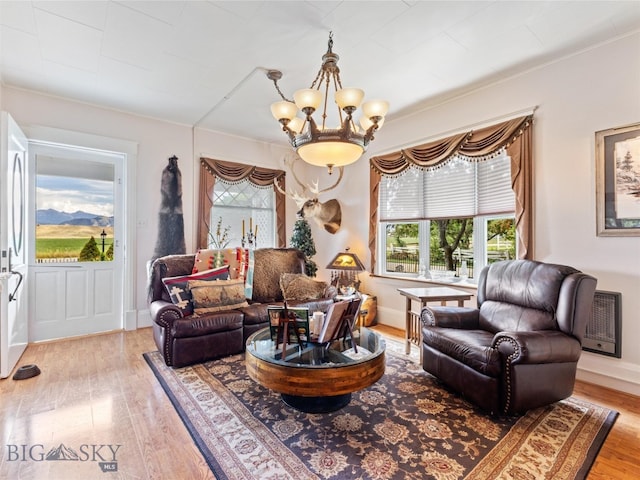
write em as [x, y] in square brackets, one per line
[66, 241]
[65, 247]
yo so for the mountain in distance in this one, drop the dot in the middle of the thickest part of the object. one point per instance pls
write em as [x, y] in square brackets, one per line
[51, 216]
[97, 221]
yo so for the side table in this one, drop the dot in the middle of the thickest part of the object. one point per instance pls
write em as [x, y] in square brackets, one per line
[413, 329]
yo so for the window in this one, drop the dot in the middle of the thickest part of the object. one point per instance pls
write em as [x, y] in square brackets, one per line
[235, 192]
[449, 221]
[234, 203]
[74, 210]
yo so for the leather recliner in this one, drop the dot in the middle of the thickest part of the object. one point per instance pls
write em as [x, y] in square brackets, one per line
[185, 340]
[519, 348]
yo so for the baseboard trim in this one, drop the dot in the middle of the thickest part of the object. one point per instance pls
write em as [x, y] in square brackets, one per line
[144, 319]
[130, 322]
[389, 316]
[609, 372]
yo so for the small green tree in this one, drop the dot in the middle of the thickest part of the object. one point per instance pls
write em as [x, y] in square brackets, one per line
[302, 240]
[109, 253]
[90, 251]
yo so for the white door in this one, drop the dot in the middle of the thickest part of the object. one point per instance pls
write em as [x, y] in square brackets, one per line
[14, 332]
[68, 295]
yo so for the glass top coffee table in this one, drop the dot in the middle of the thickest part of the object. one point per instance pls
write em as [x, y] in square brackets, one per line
[314, 377]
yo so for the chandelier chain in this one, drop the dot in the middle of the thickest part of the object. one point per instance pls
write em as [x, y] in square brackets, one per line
[275, 82]
[319, 76]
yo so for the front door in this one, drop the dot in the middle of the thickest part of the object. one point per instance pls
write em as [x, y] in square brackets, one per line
[14, 332]
[76, 266]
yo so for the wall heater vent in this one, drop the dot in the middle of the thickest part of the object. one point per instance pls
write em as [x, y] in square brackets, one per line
[603, 334]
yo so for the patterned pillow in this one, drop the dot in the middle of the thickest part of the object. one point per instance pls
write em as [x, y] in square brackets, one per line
[179, 291]
[239, 260]
[216, 296]
[297, 286]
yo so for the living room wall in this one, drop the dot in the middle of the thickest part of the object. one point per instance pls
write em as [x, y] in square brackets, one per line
[157, 141]
[594, 90]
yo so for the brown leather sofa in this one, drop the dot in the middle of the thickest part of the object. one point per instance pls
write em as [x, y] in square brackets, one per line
[519, 348]
[185, 340]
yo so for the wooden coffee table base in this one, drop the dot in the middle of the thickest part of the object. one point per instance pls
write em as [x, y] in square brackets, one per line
[317, 404]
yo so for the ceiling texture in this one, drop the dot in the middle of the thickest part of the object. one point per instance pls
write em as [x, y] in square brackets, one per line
[204, 64]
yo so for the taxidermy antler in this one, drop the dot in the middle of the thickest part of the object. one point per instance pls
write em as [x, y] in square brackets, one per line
[326, 214]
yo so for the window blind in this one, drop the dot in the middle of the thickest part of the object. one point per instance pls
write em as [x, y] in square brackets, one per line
[495, 194]
[460, 188]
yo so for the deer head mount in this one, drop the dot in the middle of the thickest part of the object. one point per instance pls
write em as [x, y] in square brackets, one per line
[327, 215]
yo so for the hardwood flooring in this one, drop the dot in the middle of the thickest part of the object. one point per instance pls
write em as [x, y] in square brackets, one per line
[97, 392]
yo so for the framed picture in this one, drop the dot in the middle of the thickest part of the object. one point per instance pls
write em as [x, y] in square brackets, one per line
[618, 181]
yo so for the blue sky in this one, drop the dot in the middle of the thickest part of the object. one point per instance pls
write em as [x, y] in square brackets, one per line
[72, 194]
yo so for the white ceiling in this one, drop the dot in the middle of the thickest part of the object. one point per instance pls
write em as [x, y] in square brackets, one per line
[203, 63]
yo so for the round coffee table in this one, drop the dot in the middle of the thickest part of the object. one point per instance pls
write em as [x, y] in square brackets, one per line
[313, 377]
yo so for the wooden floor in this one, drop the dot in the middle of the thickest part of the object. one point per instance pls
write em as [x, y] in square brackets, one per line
[96, 395]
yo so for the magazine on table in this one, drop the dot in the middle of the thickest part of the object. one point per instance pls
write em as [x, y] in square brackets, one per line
[276, 315]
[332, 321]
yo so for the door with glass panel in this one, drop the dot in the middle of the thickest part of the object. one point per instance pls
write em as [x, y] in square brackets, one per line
[76, 261]
[14, 331]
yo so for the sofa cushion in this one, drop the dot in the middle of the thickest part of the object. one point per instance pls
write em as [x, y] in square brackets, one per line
[168, 266]
[178, 286]
[256, 313]
[198, 326]
[217, 296]
[239, 260]
[469, 347]
[270, 263]
[298, 286]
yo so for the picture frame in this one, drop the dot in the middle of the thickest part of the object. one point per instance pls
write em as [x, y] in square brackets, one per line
[301, 323]
[618, 181]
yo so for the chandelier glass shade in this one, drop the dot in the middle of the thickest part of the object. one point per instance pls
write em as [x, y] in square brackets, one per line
[317, 144]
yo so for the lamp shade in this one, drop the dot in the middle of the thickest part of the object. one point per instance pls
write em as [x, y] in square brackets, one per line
[346, 261]
[307, 98]
[349, 97]
[365, 123]
[375, 108]
[283, 109]
[337, 154]
[296, 124]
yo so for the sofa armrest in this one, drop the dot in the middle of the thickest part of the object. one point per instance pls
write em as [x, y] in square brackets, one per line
[542, 346]
[164, 313]
[450, 317]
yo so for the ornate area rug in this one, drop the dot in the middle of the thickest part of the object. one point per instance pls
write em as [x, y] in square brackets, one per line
[406, 426]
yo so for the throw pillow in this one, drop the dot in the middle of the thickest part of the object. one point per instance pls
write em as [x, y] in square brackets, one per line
[297, 286]
[239, 260]
[179, 291]
[217, 296]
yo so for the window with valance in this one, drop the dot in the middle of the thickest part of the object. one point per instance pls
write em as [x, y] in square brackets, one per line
[454, 192]
[235, 174]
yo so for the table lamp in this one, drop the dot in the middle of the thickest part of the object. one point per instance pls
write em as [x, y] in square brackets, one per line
[345, 266]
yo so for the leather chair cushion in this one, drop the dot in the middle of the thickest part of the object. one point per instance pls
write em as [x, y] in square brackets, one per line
[525, 283]
[256, 313]
[469, 347]
[195, 326]
[504, 317]
[169, 266]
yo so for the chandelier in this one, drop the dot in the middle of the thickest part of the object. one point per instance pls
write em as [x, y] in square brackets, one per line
[318, 144]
